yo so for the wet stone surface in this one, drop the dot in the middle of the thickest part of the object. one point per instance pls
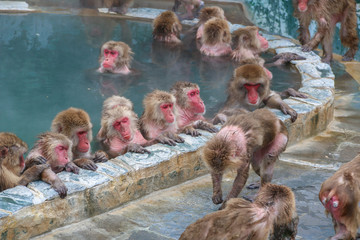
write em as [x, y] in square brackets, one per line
[16, 198]
[323, 95]
[322, 82]
[280, 43]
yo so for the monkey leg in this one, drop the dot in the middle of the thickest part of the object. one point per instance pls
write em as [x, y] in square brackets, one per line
[239, 182]
[304, 33]
[200, 124]
[50, 177]
[100, 156]
[348, 33]
[136, 148]
[85, 164]
[190, 130]
[33, 173]
[327, 47]
[217, 192]
[323, 28]
[290, 92]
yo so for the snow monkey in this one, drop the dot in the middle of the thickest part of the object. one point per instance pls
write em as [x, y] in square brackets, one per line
[191, 108]
[12, 163]
[119, 132]
[206, 14]
[191, 8]
[54, 149]
[167, 28]
[340, 195]
[76, 125]
[159, 119]
[327, 13]
[115, 57]
[255, 138]
[241, 219]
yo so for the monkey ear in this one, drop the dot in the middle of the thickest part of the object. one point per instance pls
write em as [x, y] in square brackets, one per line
[3, 151]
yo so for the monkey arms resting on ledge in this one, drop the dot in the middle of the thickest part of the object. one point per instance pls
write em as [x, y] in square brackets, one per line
[340, 195]
[243, 220]
[119, 131]
[191, 109]
[255, 138]
[158, 121]
[12, 163]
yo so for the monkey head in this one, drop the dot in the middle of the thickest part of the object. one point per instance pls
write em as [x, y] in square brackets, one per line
[115, 57]
[160, 107]
[216, 30]
[188, 97]
[76, 125]
[249, 38]
[208, 12]
[12, 150]
[167, 27]
[250, 84]
[302, 5]
[114, 101]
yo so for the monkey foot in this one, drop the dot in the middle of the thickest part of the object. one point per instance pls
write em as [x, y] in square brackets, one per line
[217, 199]
[347, 58]
[306, 48]
[253, 185]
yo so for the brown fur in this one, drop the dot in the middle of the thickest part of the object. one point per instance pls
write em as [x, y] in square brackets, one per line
[344, 185]
[209, 12]
[241, 219]
[180, 89]
[216, 31]
[12, 150]
[331, 11]
[187, 9]
[125, 53]
[260, 129]
[165, 24]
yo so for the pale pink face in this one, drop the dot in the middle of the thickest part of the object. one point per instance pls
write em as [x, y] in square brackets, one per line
[195, 101]
[264, 44]
[61, 152]
[123, 126]
[84, 143]
[167, 111]
[252, 93]
[110, 58]
[303, 5]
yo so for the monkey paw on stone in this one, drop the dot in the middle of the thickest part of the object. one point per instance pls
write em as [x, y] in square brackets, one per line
[137, 148]
[100, 156]
[289, 111]
[189, 130]
[85, 164]
[71, 167]
[206, 126]
[286, 57]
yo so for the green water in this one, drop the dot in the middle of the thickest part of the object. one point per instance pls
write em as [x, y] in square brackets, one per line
[48, 63]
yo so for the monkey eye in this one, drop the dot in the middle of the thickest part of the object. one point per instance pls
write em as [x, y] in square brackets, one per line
[124, 120]
[106, 51]
[192, 94]
[164, 106]
[81, 132]
[113, 53]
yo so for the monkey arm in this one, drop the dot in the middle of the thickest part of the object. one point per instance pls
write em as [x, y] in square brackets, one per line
[34, 161]
[304, 33]
[274, 101]
[32, 173]
[50, 177]
[290, 92]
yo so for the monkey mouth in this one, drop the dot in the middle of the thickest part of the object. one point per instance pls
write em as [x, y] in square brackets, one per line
[107, 66]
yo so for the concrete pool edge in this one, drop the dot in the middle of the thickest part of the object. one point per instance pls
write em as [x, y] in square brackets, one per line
[36, 209]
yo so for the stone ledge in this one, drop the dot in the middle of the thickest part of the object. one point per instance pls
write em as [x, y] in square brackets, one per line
[36, 209]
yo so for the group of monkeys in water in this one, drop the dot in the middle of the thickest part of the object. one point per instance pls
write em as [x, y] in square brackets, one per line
[249, 135]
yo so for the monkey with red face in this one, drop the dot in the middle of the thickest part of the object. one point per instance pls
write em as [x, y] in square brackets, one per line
[76, 125]
[158, 121]
[119, 132]
[191, 108]
[115, 57]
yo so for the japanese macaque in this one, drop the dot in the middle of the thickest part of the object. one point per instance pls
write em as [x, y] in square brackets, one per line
[241, 219]
[12, 163]
[327, 13]
[115, 57]
[167, 28]
[76, 125]
[191, 8]
[250, 87]
[206, 14]
[159, 120]
[54, 149]
[118, 6]
[119, 132]
[191, 108]
[255, 138]
[340, 195]
[248, 44]
[216, 38]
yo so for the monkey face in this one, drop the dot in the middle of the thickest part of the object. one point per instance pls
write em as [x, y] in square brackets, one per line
[123, 127]
[252, 93]
[195, 102]
[303, 5]
[110, 58]
[83, 145]
[167, 111]
[264, 44]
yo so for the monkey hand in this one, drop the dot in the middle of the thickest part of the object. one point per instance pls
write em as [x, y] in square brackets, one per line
[85, 164]
[71, 167]
[165, 140]
[136, 148]
[100, 156]
[289, 111]
[206, 126]
[255, 185]
[290, 92]
[286, 57]
[217, 198]
[189, 130]
[60, 188]
[306, 48]
[176, 137]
